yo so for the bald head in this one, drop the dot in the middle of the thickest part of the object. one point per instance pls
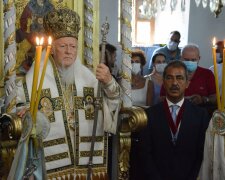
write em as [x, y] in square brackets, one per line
[190, 49]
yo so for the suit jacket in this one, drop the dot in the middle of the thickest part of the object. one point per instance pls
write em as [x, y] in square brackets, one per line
[165, 160]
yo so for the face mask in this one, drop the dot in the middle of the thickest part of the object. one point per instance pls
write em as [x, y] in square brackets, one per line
[218, 58]
[160, 67]
[191, 66]
[136, 68]
[172, 46]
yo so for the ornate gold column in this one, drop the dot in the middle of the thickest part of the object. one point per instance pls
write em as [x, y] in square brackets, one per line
[10, 55]
[1, 52]
[134, 119]
[89, 34]
[125, 129]
[126, 43]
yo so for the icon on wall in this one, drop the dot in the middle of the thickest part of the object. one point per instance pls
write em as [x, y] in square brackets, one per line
[29, 24]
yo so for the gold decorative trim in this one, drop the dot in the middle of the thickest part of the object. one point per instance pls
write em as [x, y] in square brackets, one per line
[1, 52]
[134, 119]
[88, 26]
[10, 72]
[56, 157]
[11, 105]
[10, 40]
[69, 173]
[126, 76]
[137, 119]
[88, 46]
[84, 139]
[8, 5]
[89, 9]
[88, 153]
[54, 142]
[126, 21]
[124, 154]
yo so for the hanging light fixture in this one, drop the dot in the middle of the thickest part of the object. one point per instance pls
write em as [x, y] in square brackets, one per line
[149, 8]
[215, 6]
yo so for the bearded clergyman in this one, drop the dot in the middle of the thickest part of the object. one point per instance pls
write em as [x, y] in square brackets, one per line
[69, 98]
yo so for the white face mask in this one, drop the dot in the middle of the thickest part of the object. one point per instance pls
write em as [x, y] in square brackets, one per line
[218, 58]
[136, 68]
[172, 46]
[160, 67]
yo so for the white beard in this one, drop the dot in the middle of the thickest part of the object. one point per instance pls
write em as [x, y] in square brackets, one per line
[67, 74]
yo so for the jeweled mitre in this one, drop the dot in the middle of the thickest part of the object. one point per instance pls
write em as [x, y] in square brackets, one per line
[62, 23]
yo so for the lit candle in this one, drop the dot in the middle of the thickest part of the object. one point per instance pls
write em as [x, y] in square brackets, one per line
[223, 79]
[36, 73]
[216, 74]
[42, 75]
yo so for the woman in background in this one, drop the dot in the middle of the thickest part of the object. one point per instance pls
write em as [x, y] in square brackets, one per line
[142, 95]
[142, 91]
[156, 77]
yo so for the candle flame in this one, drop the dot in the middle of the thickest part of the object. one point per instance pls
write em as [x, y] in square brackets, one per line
[49, 40]
[37, 41]
[41, 41]
[214, 41]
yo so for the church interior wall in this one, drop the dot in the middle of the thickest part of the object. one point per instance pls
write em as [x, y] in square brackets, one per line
[202, 27]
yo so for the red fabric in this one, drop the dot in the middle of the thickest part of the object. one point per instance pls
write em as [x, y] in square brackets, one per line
[202, 83]
[169, 118]
[25, 16]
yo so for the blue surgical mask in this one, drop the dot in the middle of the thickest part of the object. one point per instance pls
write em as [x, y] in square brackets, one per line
[191, 65]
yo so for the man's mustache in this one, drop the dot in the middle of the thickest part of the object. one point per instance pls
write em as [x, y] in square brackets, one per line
[174, 88]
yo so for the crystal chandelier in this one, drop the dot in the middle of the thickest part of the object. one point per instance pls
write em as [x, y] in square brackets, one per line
[148, 8]
[214, 5]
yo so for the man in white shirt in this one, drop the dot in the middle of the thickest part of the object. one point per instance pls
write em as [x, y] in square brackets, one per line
[174, 146]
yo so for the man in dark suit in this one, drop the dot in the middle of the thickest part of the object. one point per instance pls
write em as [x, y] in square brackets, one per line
[174, 146]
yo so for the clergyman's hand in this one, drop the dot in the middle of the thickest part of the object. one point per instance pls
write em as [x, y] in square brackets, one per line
[103, 74]
[21, 112]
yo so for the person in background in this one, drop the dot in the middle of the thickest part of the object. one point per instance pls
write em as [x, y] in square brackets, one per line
[159, 63]
[68, 100]
[142, 95]
[219, 60]
[142, 90]
[201, 90]
[110, 59]
[171, 49]
[175, 133]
